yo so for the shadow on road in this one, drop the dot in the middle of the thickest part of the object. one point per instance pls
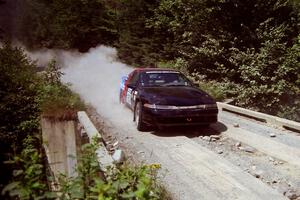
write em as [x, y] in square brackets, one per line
[192, 131]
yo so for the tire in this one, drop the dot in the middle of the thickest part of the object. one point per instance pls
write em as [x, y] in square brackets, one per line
[138, 117]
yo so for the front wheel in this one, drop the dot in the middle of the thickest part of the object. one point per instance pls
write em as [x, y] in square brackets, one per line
[138, 117]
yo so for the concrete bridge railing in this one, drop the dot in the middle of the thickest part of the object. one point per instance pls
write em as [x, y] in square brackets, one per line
[277, 121]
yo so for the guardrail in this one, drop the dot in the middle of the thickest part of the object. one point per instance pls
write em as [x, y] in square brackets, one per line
[269, 119]
[104, 159]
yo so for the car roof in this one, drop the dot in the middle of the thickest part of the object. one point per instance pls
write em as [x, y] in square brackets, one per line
[156, 69]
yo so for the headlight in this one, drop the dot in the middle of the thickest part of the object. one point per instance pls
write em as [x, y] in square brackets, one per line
[166, 107]
[154, 106]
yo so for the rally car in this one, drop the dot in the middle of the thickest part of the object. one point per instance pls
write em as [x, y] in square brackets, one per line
[163, 97]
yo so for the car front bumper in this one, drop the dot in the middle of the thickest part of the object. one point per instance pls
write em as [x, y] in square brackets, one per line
[185, 117]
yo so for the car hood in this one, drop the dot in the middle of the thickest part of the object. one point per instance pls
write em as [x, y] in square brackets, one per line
[176, 96]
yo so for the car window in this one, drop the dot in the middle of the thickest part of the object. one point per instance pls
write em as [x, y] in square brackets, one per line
[133, 80]
[164, 79]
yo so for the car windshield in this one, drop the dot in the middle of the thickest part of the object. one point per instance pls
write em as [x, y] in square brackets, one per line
[164, 78]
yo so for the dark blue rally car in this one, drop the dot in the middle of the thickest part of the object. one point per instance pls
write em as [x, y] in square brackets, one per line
[163, 97]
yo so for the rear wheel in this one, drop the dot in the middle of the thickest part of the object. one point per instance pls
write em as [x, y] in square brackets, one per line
[138, 117]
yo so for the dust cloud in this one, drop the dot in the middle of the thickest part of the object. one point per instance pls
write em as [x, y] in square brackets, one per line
[96, 77]
[42, 57]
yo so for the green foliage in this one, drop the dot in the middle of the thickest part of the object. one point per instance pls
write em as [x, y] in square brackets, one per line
[123, 182]
[270, 76]
[19, 112]
[29, 181]
[18, 89]
[205, 32]
[252, 45]
[130, 183]
[178, 64]
[87, 170]
[219, 90]
[138, 43]
[23, 95]
[67, 24]
[55, 99]
[133, 183]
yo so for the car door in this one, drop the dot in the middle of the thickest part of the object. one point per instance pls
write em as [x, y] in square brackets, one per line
[131, 88]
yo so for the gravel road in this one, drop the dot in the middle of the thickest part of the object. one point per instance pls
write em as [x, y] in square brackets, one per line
[199, 163]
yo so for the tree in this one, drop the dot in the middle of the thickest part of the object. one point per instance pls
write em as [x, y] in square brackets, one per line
[79, 24]
[18, 108]
[139, 44]
[18, 85]
[252, 44]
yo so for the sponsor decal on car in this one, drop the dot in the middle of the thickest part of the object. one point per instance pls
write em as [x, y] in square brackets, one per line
[128, 95]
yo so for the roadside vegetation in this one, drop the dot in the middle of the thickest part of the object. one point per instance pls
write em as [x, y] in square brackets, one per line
[124, 182]
[26, 96]
[19, 111]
